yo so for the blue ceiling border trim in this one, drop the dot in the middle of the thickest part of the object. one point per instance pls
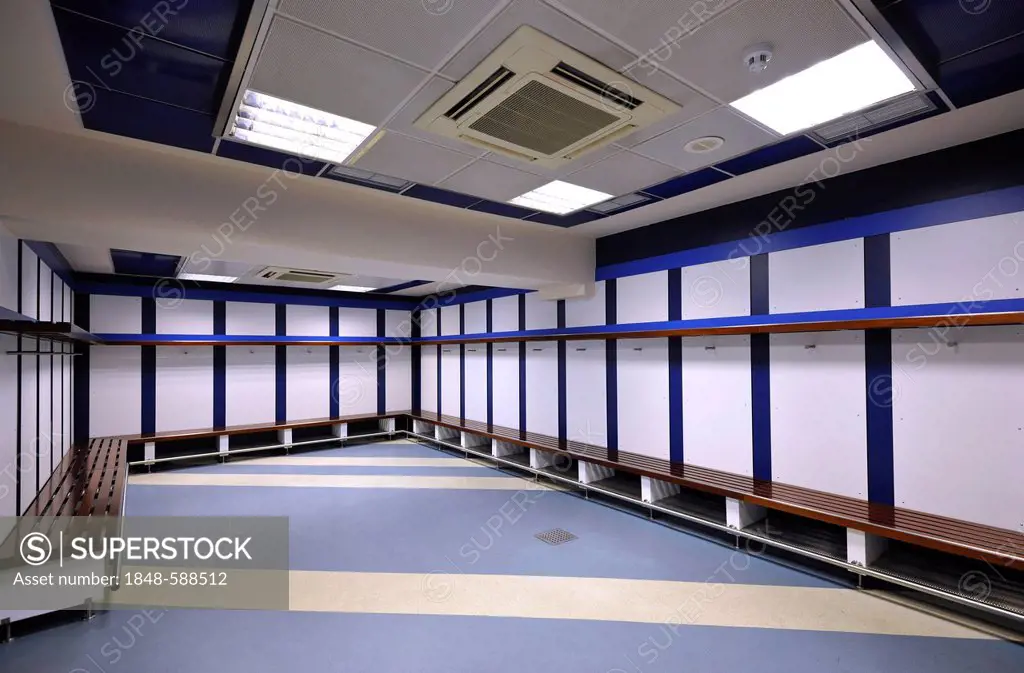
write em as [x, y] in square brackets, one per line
[454, 298]
[987, 204]
[261, 156]
[402, 286]
[54, 258]
[781, 152]
[688, 182]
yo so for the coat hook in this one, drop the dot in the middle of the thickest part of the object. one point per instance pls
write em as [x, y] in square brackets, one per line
[709, 348]
[810, 347]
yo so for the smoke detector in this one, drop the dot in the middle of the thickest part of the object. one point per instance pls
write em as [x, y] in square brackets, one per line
[758, 57]
[704, 145]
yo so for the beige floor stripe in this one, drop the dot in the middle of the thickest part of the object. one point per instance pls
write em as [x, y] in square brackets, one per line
[644, 601]
[336, 481]
[357, 461]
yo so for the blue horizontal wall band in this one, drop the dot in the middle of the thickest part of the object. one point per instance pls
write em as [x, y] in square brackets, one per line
[998, 202]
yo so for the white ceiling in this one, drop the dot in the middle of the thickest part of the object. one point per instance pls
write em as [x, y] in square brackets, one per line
[385, 63]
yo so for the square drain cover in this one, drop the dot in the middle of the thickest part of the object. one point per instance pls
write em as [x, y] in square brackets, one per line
[555, 536]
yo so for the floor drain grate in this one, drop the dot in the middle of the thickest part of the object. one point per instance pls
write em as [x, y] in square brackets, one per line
[555, 536]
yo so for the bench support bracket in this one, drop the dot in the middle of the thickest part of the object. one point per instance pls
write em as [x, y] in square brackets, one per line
[591, 472]
[863, 548]
[653, 490]
[739, 514]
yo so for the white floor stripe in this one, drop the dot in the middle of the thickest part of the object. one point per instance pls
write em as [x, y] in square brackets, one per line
[673, 604]
[336, 481]
[357, 461]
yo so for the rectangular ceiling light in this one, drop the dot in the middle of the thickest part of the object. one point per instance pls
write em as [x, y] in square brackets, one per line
[560, 198]
[297, 129]
[208, 278]
[851, 81]
[352, 288]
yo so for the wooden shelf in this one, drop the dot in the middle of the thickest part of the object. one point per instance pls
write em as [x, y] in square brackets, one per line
[64, 332]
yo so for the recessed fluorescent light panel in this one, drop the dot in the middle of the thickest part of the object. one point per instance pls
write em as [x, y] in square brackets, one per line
[207, 278]
[352, 288]
[297, 129]
[560, 198]
[851, 81]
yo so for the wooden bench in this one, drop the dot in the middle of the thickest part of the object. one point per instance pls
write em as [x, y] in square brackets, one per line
[992, 545]
[89, 481]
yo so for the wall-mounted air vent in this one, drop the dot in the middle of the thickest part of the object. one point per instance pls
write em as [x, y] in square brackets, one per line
[538, 101]
[298, 276]
[879, 116]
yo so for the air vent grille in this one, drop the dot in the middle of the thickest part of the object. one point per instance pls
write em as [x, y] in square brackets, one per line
[594, 85]
[284, 275]
[879, 116]
[542, 119]
[481, 92]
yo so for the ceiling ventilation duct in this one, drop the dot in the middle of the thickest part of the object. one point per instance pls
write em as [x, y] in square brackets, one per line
[299, 276]
[877, 117]
[538, 101]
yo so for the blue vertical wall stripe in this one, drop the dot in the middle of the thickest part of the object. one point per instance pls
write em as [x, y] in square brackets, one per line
[281, 365]
[563, 417]
[439, 356]
[489, 312]
[148, 367]
[760, 371]
[334, 355]
[611, 355]
[220, 367]
[878, 373]
[522, 367]
[19, 429]
[462, 365]
[675, 368]
[417, 363]
[382, 364]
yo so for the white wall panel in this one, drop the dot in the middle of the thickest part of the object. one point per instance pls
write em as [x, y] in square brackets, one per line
[540, 313]
[505, 314]
[47, 433]
[451, 381]
[357, 380]
[398, 395]
[428, 378]
[586, 393]
[190, 316]
[817, 278]
[716, 289]
[8, 422]
[357, 322]
[69, 302]
[476, 317]
[69, 428]
[8, 270]
[45, 292]
[819, 431]
[958, 442]
[428, 322]
[966, 261]
[307, 320]
[250, 385]
[587, 311]
[250, 318]
[184, 387]
[29, 280]
[398, 324]
[308, 383]
[505, 384]
[642, 377]
[57, 298]
[476, 382]
[451, 320]
[642, 298]
[717, 403]
[115, 390]
[30, 446]
[542, 387]
[115, 315]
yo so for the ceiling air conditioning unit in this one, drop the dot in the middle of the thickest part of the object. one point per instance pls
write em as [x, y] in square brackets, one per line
[538, 101]
[299, 276]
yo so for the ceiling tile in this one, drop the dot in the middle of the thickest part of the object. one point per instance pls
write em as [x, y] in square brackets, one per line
[622, 173]
[404, 157]
[741, 136]
[406, 118]
[546, 20]
[647, 26]
[311, 68]
[493, 181]
[802, 34]
[419, 32]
